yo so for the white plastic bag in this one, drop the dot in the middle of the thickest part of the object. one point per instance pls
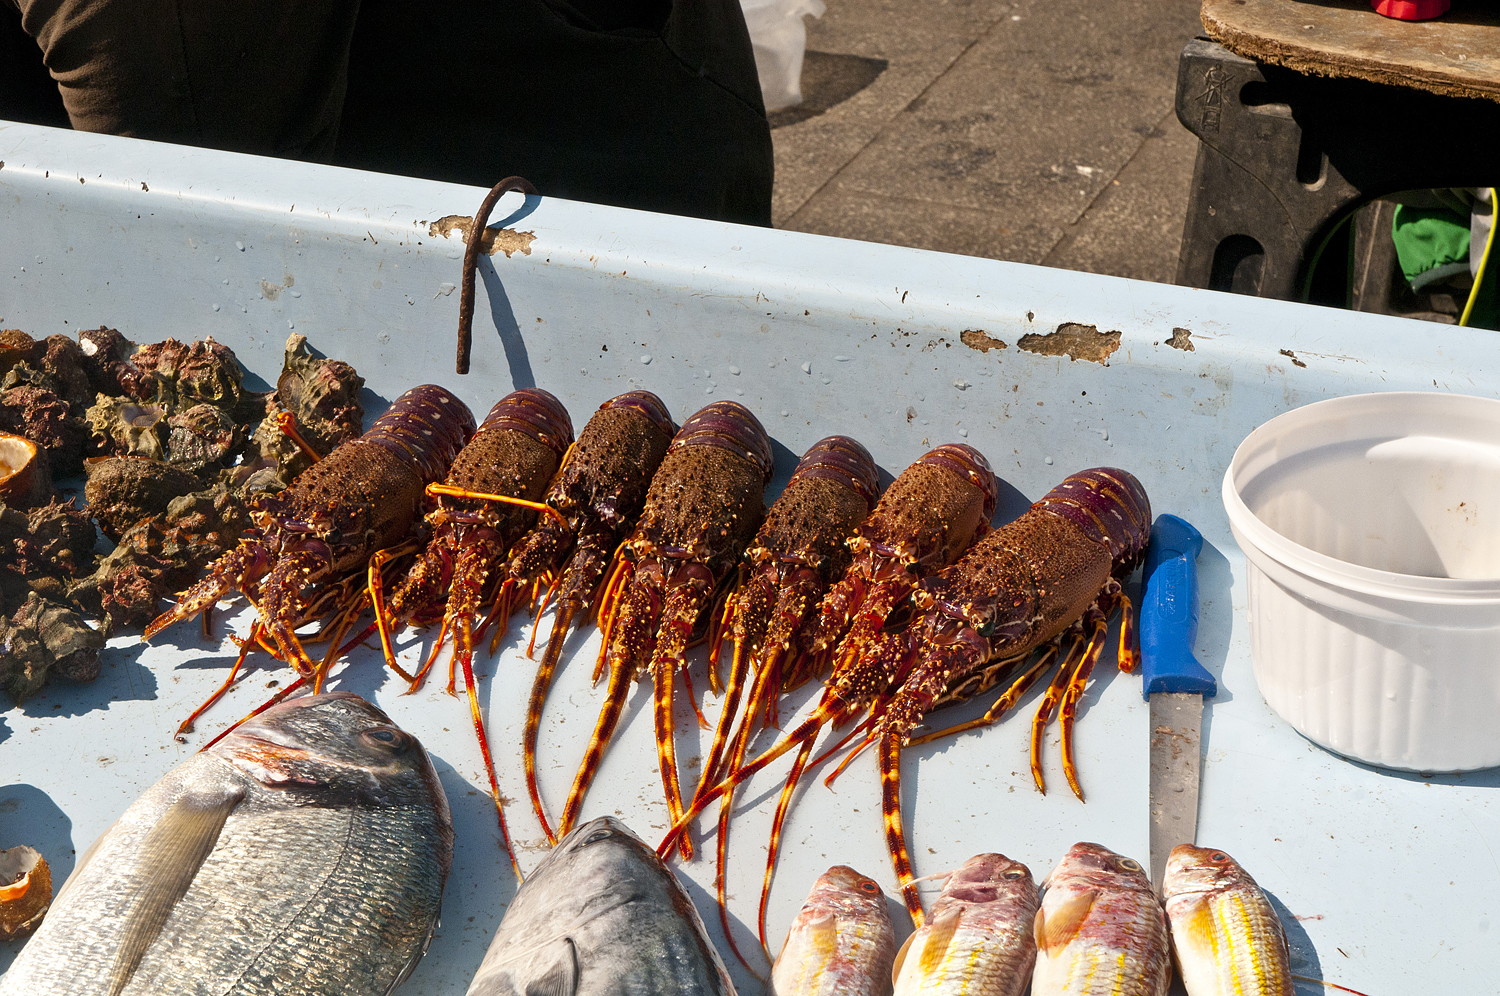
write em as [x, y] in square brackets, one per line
[779, 38]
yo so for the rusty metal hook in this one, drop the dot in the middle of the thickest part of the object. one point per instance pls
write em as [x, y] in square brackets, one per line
[471, 261]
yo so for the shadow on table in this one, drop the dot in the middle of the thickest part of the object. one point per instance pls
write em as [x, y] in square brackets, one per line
[29, 816]
[122, 677]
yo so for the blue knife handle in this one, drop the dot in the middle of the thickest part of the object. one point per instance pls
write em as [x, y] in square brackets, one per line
[1169, 611]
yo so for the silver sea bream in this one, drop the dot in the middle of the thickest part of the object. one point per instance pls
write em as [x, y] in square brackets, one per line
[601, 914]
[306, 852]
[978, 940]
[1100, 931]
[842, 942]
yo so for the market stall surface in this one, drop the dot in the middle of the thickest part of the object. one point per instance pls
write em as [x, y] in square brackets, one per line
[1385, 880]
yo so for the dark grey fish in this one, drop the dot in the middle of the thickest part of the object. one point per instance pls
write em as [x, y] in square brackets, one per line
[304, 853]
[601, 914]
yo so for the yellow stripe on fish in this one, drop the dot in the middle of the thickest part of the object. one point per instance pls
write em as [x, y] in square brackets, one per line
[1228, 939]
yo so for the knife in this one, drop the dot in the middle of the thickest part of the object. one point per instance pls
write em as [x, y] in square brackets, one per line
[1175, 684]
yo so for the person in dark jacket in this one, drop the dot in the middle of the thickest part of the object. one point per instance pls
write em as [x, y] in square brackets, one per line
[650, 104]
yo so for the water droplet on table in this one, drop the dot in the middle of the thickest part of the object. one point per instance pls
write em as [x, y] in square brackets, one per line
[735, 371]
[645, 357]
[240, 246]
[1047, 461]
[807, 368]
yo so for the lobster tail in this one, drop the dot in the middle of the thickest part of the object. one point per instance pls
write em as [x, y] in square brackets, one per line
[841, 459]
[646, 404]
[426, 427]
[535, 413]
[731, 426]
[969, 463]
[1111, 508]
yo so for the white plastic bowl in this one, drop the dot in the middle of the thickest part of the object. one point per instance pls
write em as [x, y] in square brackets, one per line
[1371, 531]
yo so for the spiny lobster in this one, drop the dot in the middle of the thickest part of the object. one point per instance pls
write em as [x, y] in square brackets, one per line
[1052, 574]
[310, 544]
[597, 495]
[800, 548]
[703, 506]
[925, 519]
[485, 504]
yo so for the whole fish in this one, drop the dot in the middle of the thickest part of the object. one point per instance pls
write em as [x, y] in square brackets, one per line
[306, 852]
[978, 940]
[1229, 940]
[1100, 929]
[842, 942]
[601, 914]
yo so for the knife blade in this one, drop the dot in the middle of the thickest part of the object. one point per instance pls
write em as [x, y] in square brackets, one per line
[1174, 683]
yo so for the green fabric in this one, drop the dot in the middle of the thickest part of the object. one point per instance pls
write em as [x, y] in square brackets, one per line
[1429, 238]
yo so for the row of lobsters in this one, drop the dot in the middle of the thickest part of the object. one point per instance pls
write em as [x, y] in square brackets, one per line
[902, 602]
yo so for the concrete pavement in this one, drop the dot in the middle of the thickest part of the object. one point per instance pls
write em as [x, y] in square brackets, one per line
[1039, 131]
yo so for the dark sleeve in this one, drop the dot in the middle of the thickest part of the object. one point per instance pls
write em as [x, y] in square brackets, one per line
[661, 112]
[260, 76]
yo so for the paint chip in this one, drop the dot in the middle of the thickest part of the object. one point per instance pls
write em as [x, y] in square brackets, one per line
[1075, 341]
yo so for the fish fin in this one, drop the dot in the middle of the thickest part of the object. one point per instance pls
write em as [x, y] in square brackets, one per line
[901, 956]
[823, 936]
[171, 855]
[939, 934]
[412, 964]
[1059, 928]
[562, 978]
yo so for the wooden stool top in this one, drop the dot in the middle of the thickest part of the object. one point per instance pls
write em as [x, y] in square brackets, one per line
[1457, 55]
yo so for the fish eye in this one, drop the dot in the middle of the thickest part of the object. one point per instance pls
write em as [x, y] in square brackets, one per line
[1130, 864]
[386, 739]
[869, 887]
[1218, 856]
[1013, 873]
[601, 834]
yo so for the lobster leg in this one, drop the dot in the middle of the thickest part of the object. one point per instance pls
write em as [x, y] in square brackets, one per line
[256, 629]
[1076, 683]
[465, 653]
[1129, 656]
[1003, 704]
[615, 694]
[539, 688]
[807, 730]
[773, 846]
[237, 568]
[376, 590]
[1049, 703]
[895, 837]
[685, 599]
